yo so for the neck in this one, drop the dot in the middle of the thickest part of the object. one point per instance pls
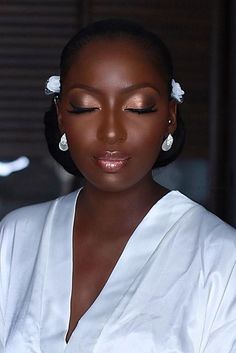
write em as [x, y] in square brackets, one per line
[128, 204]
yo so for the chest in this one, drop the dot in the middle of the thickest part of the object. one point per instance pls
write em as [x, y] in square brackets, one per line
[136, 311]
[93, 263]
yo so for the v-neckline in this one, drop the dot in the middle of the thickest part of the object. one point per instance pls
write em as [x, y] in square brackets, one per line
[97, 303]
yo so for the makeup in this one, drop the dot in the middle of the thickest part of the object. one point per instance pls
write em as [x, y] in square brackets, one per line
[111, 161]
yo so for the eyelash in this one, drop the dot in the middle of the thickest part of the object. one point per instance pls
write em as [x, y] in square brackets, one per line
[142, 110]
[81, 110]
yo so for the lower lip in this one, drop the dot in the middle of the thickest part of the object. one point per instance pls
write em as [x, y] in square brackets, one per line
[111, 166]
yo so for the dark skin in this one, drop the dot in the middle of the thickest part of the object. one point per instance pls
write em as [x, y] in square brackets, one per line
[127, 110]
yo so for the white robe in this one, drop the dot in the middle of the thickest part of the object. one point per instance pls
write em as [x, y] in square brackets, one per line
[173, 289]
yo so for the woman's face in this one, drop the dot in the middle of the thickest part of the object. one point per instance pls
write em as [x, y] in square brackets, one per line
[115, 111]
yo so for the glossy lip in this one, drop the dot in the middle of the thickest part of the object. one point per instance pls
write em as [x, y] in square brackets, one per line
[111, 161]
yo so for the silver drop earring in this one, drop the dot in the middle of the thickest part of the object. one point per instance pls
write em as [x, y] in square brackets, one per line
[63, 146]
[167, 143]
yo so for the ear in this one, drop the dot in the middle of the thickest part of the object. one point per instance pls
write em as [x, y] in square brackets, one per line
[59, 118]
[172, 117]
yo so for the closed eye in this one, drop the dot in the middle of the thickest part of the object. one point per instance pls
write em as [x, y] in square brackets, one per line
[81, 110]
[146, 110]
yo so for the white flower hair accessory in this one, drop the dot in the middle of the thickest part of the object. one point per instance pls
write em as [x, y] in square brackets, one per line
[177, 92]
[53, 85]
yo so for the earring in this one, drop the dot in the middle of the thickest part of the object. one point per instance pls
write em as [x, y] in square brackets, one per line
[167, 143]
[55, 99]
[63, 146]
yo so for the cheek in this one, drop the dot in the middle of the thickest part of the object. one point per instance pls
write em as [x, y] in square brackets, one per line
[145, 149]
[150, 136]
[78, 131]
[80, 148]
[80, 139]
[153, 137]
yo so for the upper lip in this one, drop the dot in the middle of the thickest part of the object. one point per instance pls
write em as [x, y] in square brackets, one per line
[112, 156]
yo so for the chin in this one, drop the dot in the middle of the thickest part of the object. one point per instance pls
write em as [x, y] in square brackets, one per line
[114, 183]
[110, 185]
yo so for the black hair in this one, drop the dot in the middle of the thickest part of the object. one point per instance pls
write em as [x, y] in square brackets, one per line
[110, 29]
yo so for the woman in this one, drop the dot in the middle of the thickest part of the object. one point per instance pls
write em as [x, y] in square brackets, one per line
[122, 265]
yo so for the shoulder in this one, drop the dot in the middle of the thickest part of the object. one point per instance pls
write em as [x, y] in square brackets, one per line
[27, 223]
[199, 218]
[212, 240]
[25, 219]
[31, 212]
[205, 248]
[26, 232]
[36, 213]
[201, 231]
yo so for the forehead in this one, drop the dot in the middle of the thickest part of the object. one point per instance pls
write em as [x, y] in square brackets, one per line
[113, 62]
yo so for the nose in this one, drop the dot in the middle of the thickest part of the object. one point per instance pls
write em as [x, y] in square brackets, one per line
[112, 130]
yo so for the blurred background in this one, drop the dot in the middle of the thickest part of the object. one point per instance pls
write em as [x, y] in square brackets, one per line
[201, 37]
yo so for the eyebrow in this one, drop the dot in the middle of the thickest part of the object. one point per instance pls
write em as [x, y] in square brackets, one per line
[85, 87]
[125, 89]
[140, 86]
